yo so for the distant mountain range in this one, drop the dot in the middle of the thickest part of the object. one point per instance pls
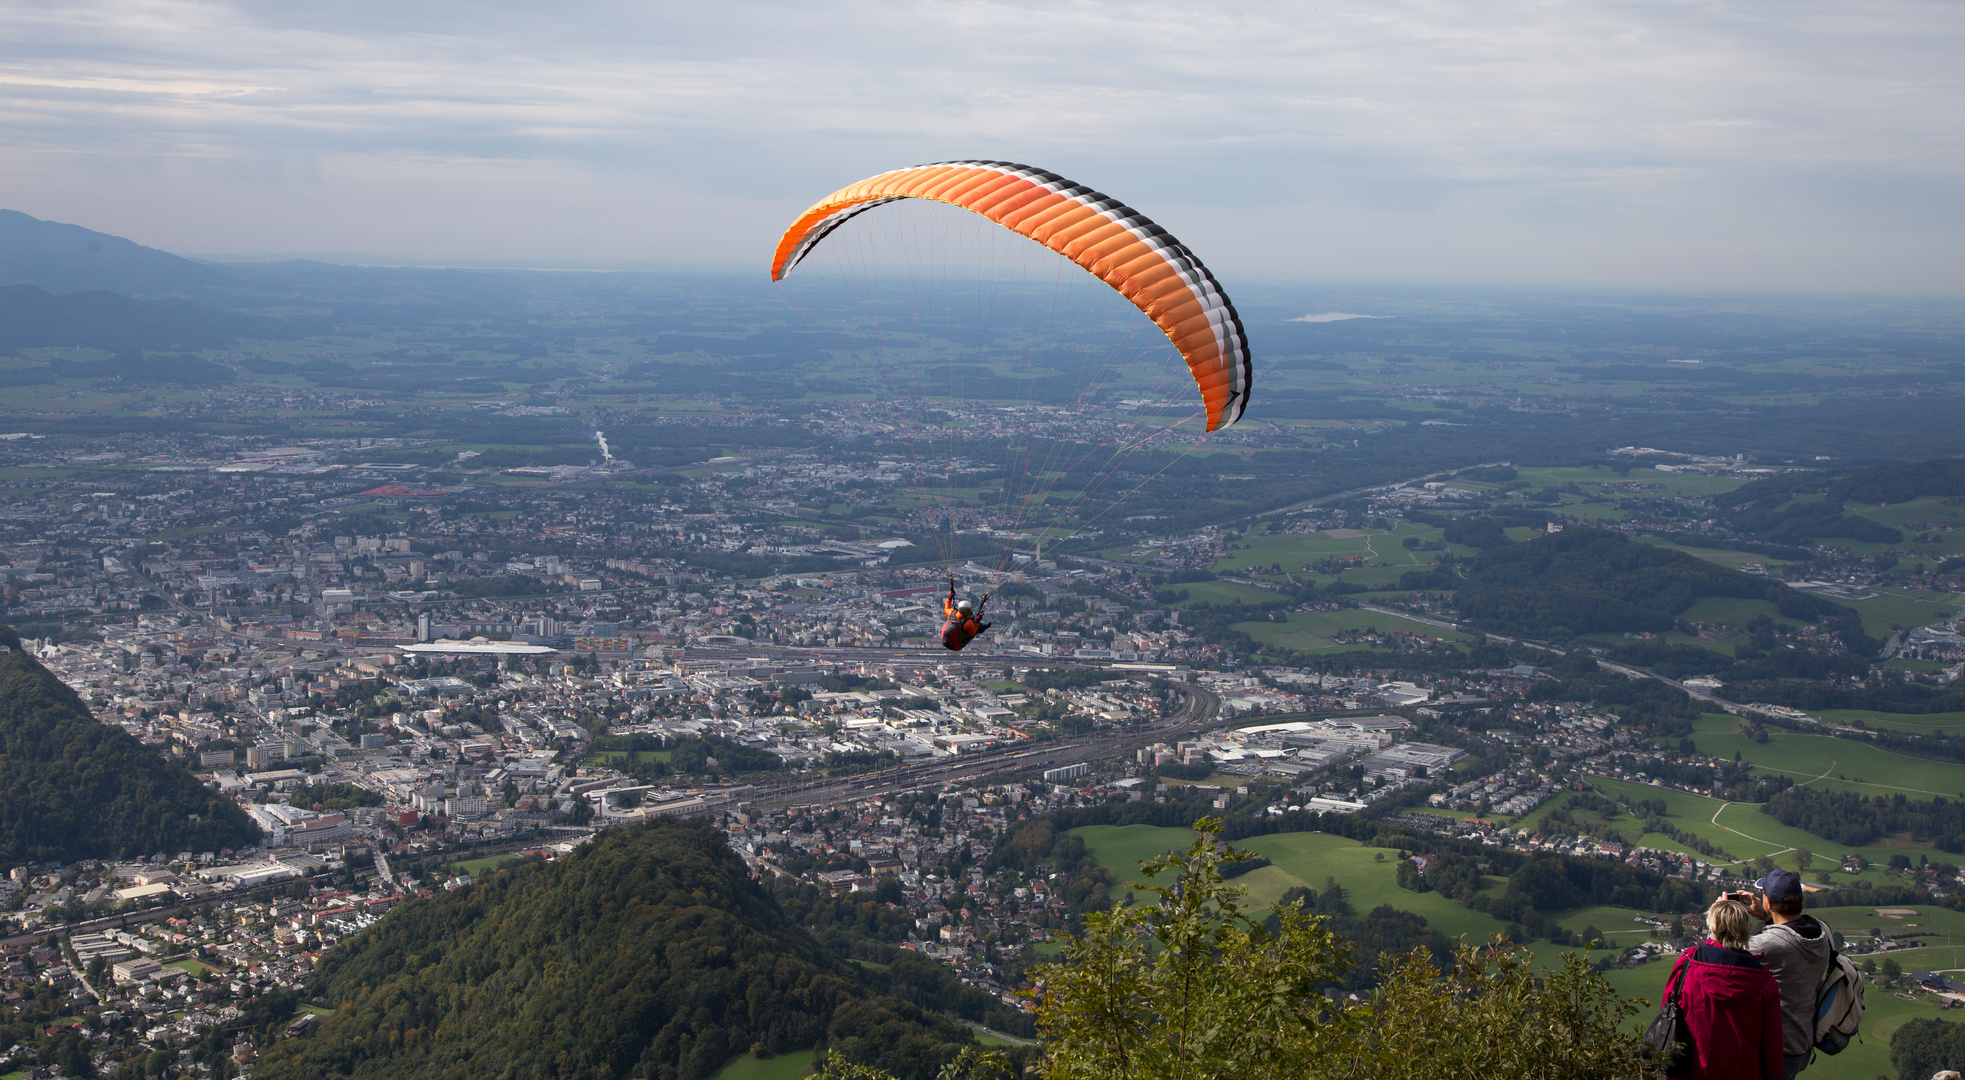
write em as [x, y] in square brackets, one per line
[70, 259]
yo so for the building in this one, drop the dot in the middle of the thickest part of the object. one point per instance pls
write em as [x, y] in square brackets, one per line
[464, 807]
[141, 969]
[143, 892]
[1066, 772]
[247, 874]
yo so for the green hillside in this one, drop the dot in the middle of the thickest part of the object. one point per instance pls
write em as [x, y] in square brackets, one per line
[648, 953]
[72, 788]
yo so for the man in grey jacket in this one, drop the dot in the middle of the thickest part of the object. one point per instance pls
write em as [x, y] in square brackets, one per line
[1795, 947]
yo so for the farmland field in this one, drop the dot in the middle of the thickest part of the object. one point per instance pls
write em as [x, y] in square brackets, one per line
[1311, 631]
[1849, 765]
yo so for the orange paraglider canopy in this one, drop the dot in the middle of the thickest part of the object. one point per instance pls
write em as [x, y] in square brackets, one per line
[1115, 243]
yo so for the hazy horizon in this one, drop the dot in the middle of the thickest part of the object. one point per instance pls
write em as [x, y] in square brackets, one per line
[1812, 147]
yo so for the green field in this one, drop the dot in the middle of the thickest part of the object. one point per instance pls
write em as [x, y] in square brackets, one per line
[1722, 556]
[1666, 485]
[1295, 859]
[1293, 552]
[1894, 608]
[1311, 631]
[1743, 831]
[1848, 765]
[1222, 592]
[1943, 721]
[787, 1066]
[479, 867]
[191, 967]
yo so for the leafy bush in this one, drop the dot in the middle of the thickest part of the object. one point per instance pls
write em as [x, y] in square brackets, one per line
[1186, 986]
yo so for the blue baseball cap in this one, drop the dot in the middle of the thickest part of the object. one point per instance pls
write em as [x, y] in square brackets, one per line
[1779, 885]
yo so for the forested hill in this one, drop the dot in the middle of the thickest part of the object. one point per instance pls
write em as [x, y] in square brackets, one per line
[1586, 581]
[1777, 508]
[647, 953]
[72, 788]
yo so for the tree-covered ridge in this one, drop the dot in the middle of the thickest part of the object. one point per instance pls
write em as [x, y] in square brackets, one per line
[72, 788]
[1777, 508]
[1588, 581]
[648, 953]
[1860, 820]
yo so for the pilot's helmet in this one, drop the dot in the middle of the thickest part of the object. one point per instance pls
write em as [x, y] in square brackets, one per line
[964, 606]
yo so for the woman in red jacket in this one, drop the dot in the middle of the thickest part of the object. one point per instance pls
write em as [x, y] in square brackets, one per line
[1731, 1003]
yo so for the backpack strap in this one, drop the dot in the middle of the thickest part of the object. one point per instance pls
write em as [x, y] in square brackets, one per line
[1678, 979]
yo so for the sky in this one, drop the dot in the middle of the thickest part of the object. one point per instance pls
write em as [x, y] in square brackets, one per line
[1789, 145]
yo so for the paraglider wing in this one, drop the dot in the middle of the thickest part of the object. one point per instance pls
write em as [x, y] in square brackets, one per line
[1115, 243]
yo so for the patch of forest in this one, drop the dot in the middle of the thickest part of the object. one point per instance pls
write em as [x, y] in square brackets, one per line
[1585, 581]
[1776, 509]
[74, 788]
[1854, 820]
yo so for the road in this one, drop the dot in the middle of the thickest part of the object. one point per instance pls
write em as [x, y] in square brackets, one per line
[1423, 620]
[1388, 486]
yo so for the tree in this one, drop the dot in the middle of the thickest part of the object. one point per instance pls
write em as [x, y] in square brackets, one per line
[1803, 859]
[1925, 1045]
[1189, 989]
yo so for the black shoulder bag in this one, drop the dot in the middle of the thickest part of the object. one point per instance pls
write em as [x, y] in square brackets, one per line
[1669, 1040]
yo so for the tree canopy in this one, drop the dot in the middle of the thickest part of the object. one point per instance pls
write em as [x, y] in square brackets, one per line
[1587, 581]
[73, 788]
[647, 953]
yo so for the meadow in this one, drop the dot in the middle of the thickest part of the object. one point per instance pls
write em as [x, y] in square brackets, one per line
[1826, 761]
[1369, 875]
[1312, 631]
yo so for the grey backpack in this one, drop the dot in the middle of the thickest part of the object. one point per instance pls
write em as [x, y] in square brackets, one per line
[1838, 1005]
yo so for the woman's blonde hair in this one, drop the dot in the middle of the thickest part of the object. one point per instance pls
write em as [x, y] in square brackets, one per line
[1729, 923]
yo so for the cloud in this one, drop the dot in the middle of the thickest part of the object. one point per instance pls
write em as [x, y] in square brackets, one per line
[1814, 143]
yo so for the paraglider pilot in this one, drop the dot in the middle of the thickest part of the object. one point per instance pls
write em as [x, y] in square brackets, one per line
[964, 620]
